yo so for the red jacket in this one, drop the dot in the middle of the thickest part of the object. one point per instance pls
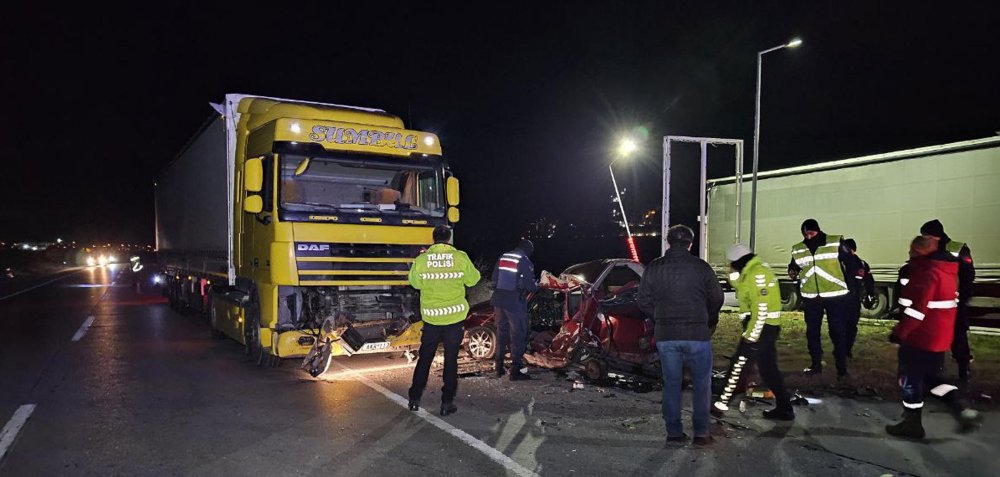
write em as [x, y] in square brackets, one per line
[930, 302]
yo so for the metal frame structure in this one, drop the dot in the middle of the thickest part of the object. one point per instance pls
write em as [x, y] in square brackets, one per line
[703, 205]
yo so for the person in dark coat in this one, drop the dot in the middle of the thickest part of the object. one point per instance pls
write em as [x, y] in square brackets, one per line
[862, 287]
[682, 294]
[514, 280]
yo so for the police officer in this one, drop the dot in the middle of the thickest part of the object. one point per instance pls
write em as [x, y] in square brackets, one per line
[817, 263]
[760, 303]
[514, 279]
[862, 287]
[960, 350]
[441, 274]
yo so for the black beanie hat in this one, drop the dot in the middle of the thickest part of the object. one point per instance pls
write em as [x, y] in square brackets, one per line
[810, 224]
[851, 244]
[527, 247]
[932, 228]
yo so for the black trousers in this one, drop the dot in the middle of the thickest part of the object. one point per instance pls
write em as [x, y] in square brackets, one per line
[512, 331]
[853, 318]
[918, 370]
[765, 354]
[430, 338]
[838, 316]
[960, 349]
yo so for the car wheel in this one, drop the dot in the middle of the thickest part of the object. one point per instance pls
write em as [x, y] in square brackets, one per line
[481, 342]
[596, 371]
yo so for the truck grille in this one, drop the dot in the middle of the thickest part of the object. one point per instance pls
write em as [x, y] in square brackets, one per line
[342, 264]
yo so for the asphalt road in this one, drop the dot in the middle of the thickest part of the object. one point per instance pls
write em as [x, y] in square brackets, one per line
[143, 390]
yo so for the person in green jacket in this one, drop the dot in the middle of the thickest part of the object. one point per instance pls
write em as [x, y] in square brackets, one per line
[760, 306]
[441, 275]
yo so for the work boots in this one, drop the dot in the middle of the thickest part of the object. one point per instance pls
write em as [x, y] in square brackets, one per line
[911, 427]
[780, 414]
[448, 408]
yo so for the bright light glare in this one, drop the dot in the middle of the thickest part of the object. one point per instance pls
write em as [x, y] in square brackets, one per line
[429, 140]
[295, 128]
[795, 42]
[627, 146]
[157, 279]
[91, 262]
[112, 259]
[102, 260]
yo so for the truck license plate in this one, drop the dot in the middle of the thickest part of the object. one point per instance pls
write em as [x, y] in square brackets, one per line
[375, 346]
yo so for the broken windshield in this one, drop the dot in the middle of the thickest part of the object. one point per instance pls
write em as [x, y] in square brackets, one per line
[405, 187]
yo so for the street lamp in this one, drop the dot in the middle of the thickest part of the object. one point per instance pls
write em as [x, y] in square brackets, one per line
[625, 149]
[756, 138]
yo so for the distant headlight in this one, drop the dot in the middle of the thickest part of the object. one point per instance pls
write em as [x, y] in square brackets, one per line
[112, 259]
[91, 262]
[157, 279]
[102, 260]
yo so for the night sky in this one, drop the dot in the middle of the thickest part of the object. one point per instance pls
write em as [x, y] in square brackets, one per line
[527, 99]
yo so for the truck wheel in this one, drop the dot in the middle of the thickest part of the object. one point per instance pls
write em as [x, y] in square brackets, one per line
[251, 333]
[481, 342]
[790, 299]
[881, 306]
[213, 321]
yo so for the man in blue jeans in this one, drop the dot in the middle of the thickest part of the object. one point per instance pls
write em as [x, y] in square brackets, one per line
[683, 296]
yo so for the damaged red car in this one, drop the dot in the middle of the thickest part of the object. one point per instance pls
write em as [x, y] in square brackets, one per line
[587, 317]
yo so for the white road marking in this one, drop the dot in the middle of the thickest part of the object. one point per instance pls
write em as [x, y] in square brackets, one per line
[26, 290]
[14, 426]
[83, 328]
[493, 454]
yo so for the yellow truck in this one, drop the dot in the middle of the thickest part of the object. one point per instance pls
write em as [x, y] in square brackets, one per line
[292, 226]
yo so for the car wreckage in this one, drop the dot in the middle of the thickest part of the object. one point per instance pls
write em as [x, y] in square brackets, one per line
[587, 318]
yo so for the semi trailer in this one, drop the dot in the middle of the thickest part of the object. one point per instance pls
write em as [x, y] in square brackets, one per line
[292, 226]
[879, 200]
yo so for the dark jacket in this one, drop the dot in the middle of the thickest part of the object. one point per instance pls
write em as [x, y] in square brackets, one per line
[523, 281]
[859, 276]
[966, 270]
[682, 295]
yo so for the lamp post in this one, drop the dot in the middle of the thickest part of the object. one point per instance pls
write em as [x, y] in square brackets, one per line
[625, 149]
[756, 138]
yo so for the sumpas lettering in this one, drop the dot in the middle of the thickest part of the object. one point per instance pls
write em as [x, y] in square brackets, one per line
[363, 137]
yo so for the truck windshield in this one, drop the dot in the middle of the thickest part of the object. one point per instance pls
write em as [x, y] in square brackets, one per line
[404, 187]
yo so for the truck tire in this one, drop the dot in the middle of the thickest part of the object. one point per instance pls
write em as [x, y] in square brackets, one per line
[881, 306]
[252, 349]
[790, 299]
[213, 321]
[481, 342]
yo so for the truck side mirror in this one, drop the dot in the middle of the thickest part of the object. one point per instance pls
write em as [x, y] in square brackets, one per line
[452, 188]
[253, 175]
[453, 215]
[253, 204]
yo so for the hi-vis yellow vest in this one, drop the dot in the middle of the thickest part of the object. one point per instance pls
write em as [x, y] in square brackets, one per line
[954, 248]
[821, 275]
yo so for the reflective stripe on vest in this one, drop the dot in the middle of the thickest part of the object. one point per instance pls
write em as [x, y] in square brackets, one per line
[447, 310]
[442, 275]
[821, 273]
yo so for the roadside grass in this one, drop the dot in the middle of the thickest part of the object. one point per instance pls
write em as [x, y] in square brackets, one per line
[873, 368]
